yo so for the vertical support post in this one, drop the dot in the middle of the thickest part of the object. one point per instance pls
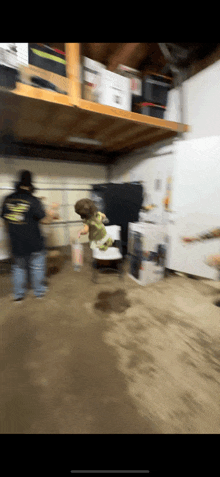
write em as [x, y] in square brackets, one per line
[73, 72]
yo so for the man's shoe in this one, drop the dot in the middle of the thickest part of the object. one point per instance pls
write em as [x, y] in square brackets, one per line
[18, 300]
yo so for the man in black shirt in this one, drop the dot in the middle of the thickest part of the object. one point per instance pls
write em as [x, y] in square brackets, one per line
[22, 213]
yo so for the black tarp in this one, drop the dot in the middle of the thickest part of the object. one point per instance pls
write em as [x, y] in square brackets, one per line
[121, 203]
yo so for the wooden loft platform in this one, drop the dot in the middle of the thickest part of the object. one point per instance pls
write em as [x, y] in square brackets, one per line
[39, 117]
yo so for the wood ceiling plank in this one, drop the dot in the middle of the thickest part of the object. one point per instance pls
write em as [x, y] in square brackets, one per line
[139, 139]
[97, 51]
[33, 111]
[147, 141]
[68, 130]
[205, 62]
[28, 129]
[131, 131]
[138, 56]
[114, 128]
[134, 139]
[122, 55]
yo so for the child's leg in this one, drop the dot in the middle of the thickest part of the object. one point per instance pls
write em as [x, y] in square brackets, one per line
[106, 245]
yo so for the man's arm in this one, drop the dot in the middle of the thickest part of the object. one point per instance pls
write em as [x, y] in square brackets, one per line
[51, 215]
[215, 233]
[85, 230]
[48, 219]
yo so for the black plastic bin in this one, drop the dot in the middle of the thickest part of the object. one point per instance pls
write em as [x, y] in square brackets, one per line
[155, 89]
[149, 109]
[8, 77]
[47, 59]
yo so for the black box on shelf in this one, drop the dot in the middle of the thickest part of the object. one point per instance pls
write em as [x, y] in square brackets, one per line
[155, 89]
[8, 77]
[47, 58]
[148, 109]
[136, 101]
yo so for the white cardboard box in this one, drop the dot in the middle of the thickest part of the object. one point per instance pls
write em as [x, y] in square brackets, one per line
[134, 76]
[116, 91]
[143, 242]
[91, 73]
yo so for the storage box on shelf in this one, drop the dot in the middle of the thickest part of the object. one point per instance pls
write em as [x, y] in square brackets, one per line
[42, 67]
[155, 89]
[8, 65]
[135, 79]
[149, 109]
[47, 58]
[116, 91]
[91, 79]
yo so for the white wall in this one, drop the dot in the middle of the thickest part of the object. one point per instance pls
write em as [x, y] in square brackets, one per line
[48, 174]
[202, 114]
[201, 103]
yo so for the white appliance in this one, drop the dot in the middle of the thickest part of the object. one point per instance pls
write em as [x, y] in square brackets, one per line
[147, 252]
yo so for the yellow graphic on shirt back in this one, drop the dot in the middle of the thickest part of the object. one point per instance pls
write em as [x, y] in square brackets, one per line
[17, 212]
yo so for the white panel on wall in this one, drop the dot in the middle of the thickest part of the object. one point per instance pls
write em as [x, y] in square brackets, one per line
[197, 175]
[201, 95]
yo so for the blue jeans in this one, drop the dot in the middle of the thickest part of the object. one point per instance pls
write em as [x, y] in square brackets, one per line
[36, 264]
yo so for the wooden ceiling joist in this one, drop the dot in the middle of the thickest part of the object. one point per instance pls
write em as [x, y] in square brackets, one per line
[122, 55]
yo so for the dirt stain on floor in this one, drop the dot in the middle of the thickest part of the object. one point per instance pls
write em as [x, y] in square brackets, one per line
[109, 302]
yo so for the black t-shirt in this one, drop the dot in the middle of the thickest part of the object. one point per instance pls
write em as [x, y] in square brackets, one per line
[22, 211]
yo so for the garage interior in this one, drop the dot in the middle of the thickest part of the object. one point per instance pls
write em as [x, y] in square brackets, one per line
[113, 357]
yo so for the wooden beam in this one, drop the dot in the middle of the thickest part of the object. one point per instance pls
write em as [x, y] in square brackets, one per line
[131, 131]
[120, 113]
[151, 139]
[142, 139]
[43, 94]
[204, 63]
[54, 153]
[111, 130]
[95, 51]
[122, 55]
[73, 72]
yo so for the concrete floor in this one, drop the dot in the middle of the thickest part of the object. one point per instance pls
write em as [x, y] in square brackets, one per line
[111, 358]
